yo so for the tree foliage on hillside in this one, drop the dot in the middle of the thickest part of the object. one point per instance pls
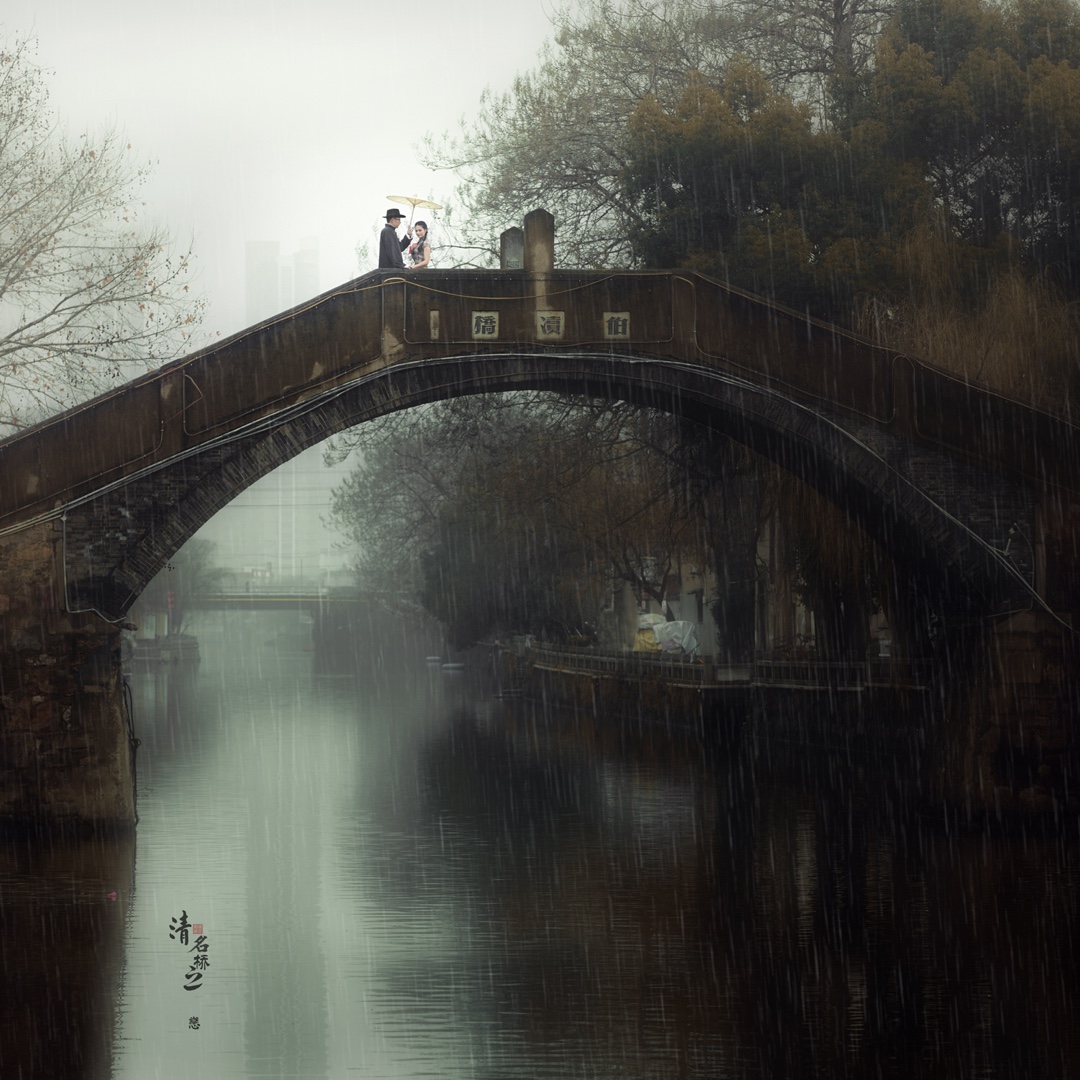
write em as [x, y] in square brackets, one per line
[87, 297]
[951, 187]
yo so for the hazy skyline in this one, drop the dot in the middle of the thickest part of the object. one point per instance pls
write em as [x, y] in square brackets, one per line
[276, 122]
[269, 121]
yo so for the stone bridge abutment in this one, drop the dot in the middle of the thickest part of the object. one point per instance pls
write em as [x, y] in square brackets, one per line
[66, 751]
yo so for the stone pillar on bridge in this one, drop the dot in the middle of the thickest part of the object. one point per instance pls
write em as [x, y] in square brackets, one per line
[65, 752]
[512, 249]
[539, 242]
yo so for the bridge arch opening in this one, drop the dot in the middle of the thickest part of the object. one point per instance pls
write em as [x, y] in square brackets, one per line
[969, 575]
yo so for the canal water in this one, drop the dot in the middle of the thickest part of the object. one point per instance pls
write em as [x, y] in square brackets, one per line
[387, 871]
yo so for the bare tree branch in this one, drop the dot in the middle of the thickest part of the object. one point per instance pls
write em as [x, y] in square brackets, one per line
[87, 298]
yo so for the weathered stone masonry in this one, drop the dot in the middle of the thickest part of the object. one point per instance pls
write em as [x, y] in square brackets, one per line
[64, 752]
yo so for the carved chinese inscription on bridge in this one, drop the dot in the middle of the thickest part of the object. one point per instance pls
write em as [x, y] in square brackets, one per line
[616, 325]
[485, 325]
[550, 325]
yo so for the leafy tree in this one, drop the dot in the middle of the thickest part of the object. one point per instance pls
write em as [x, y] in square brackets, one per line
[427, 524]
[409, 465]
[556, 138]
[814, 50]
[737, 181]
[942, 219]
[987, 97]
[492, 571]
[519, 511]
[87, 298]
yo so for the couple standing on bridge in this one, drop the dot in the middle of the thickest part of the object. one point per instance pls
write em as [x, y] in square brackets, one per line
[391, 245]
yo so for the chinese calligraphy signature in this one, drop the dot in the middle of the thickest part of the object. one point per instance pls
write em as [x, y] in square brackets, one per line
[180, 929]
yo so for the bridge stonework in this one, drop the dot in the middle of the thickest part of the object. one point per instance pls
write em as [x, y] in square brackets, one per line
[953, 481]
[1004, 738]
[65, 755]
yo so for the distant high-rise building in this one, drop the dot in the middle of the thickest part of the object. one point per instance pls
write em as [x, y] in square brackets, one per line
[285, 285]
[305, 276]
[262, 294]
[275, 284]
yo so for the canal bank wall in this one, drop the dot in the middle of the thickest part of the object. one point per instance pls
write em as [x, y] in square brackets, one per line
[790, 698]
[996, 739]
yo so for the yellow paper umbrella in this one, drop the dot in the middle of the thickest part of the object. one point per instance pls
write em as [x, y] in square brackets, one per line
[414, 201]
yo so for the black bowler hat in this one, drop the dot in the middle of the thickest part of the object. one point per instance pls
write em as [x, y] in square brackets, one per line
[394, 213]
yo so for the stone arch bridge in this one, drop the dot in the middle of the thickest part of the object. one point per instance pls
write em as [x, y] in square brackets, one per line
[968, 486]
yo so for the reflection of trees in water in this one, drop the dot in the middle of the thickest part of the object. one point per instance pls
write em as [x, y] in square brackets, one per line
[587, 888]
[779, 912]
[367, 639]
[891, 943]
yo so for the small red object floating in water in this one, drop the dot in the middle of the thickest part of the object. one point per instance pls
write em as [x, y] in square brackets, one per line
[110, 896]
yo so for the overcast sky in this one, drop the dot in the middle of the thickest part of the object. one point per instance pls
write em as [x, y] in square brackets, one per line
[278, 121]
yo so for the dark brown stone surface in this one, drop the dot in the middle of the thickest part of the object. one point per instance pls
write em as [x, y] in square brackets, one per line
[65, 758]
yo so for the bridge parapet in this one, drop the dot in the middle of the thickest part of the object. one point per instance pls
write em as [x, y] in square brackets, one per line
[350, 334]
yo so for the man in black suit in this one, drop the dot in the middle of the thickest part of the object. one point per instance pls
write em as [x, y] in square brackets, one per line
[390, 247]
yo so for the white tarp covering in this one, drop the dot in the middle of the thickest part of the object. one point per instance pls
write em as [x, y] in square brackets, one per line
[655, 635]
[678, 636]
